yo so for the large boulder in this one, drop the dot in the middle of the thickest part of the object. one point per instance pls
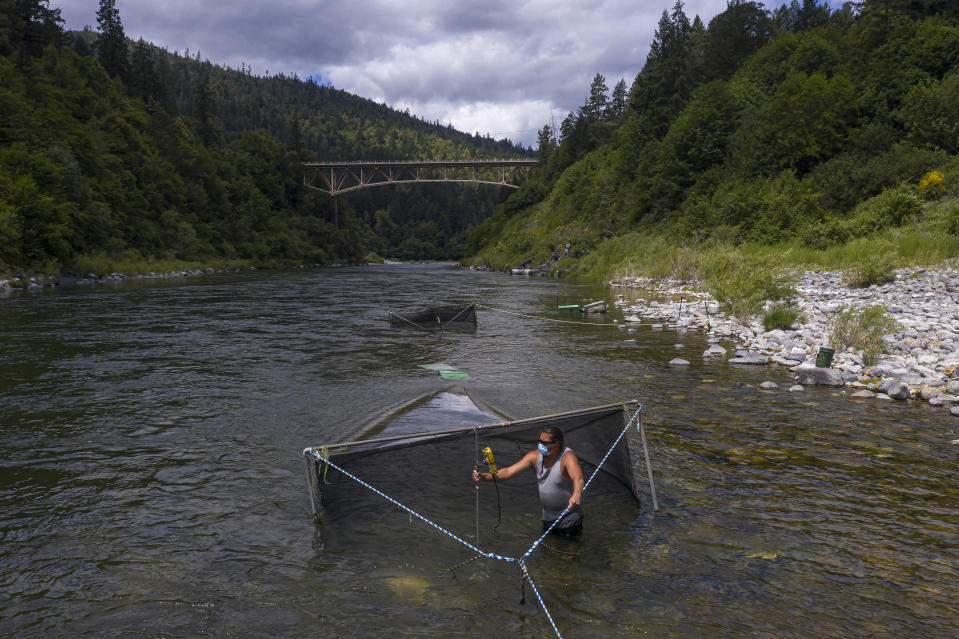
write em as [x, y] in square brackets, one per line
[887, 383]
[899, 391]
[815, 376]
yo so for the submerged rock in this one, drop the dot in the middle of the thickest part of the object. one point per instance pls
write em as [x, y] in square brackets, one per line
[714, 351]
[750, 358]
[769, 385]
[678, 362]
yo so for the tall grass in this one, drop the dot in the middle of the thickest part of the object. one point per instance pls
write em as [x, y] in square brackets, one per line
[931, 239]
[875, 269]
[862, 330]
[782, 316]
[742, 285]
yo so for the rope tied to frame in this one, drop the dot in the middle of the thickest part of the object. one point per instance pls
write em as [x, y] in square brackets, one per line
[423, 328]
[521, 561]
[325, 454]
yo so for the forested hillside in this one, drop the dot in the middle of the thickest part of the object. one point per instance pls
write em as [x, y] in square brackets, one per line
[802, 127]
[118, 152]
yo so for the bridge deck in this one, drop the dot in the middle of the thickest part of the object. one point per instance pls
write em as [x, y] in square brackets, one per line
[341, 177]
[420, 163]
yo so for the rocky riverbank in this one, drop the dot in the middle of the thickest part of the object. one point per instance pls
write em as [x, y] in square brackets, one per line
[34, 283]
[919, 361]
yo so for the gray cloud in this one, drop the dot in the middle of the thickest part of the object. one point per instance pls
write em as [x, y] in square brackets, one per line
[498, 67]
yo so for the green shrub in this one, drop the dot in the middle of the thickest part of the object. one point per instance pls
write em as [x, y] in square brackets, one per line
[743, 286]
[890, 208]
[781, 316]
[862, 330]
[952, 219]
[829, 232]
[875, 269]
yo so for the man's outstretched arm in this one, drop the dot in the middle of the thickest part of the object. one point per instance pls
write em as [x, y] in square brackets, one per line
[528, 461]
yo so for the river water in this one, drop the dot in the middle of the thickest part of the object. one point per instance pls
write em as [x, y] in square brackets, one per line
[152, 483]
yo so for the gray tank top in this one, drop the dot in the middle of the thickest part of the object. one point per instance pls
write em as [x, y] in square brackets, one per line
[554, 489]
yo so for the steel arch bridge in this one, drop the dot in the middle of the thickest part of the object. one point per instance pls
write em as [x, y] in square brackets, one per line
[342, 177]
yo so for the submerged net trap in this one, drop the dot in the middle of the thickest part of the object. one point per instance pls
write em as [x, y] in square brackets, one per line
[360, 479]
[440, 317]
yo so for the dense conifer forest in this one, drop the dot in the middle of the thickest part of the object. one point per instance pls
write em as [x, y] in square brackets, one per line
[825, 135]
[809, 129]
[115, 152]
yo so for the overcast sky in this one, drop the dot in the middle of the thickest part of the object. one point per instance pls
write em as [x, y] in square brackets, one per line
[503, 67]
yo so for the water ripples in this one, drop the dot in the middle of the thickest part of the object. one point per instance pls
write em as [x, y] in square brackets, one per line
[152, 484]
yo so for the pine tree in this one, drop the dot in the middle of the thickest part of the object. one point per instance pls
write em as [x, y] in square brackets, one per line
[566, 126]
[544, 143]
[112, 42]
[163, 94]
[618, 101]
[734, 34]
[142, 79]
[667, 78]
[204, 114]
[597, 104]
[28, 26]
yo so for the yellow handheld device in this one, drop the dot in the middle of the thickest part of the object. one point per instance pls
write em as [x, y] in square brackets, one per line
[488, 453]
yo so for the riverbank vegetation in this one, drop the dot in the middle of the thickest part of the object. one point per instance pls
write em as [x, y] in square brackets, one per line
[862, 329]
[120, 155]
[763, 142]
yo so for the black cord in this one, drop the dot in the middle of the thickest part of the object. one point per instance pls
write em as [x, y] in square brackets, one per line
[498, 511]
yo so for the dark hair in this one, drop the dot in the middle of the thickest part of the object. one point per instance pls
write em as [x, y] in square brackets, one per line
[555, 434]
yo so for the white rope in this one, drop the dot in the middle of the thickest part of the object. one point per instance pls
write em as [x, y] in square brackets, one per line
[392, 314]
[455, 317]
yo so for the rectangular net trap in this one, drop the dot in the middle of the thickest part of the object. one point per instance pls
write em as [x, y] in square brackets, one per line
[370, 488]
[462, 317]
[589, 433]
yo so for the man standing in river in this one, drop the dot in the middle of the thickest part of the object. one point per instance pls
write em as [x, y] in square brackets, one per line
[560, 484]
